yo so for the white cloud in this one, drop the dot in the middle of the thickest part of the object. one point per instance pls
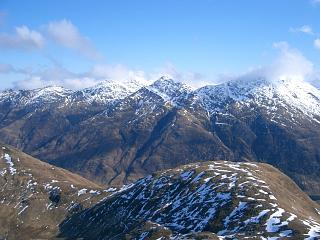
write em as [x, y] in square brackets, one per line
[58, 75]
[303, 29]
[54, 75]
[62, 32]
[117, 72]
[38, 81]
[78, 83]
[23, 38]
[290, 63]
[67, 34]
[31, 83]
[317, 43]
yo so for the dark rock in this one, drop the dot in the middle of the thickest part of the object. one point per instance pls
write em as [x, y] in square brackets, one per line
[55, 196]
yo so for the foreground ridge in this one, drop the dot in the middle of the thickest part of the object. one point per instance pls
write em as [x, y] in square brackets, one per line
[203, 200]
[35, 196]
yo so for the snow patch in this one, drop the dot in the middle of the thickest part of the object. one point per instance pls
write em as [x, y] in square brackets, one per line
[9, 161]
[82, 191]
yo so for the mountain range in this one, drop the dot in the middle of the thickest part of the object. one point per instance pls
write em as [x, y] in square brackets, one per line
[161, 160]
[115, 133]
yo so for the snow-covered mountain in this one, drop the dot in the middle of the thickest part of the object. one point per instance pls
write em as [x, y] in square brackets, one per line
[170, 90]
[271, 94]
[293, 95]
[107, 91]
[117, 132]
[102, 93]
[38, 97]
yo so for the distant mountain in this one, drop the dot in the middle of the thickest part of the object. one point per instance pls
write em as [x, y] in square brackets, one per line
[106, 91]
[212, 200]
[35, 196]
[295, 96]
[34, 98]
[115, 133]
[103, 92]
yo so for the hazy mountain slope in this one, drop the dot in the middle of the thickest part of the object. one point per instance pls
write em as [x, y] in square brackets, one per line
[232, 200]
[167, 124]
[36, 196]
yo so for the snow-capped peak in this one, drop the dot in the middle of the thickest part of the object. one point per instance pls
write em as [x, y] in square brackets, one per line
[286, 92]
[50, 91]
[169, 89]
[108, 90]
[48, 94]
[102, 92]
[37, 96]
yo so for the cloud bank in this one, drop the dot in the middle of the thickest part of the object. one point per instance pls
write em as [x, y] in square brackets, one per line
[58, 75]
[288, 63]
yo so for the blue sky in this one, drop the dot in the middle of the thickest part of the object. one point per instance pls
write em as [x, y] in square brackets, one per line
[46, 42]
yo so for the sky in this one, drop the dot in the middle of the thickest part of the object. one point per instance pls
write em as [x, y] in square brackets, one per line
[77, 43]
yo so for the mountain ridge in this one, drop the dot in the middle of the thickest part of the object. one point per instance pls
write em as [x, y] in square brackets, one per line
[118, 141]
[35, 196]
[216, 199]
[167, 88]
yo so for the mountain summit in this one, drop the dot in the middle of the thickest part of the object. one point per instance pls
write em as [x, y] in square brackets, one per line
[289, 94]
